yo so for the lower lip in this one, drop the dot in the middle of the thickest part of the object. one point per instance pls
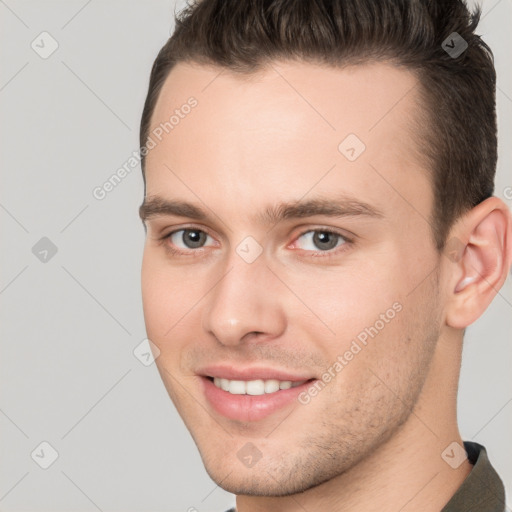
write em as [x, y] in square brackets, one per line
[248, 408]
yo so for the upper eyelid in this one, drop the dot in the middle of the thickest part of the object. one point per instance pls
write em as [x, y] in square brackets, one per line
[185, 228]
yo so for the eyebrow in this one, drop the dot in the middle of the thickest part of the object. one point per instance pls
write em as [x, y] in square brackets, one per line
[344, 206]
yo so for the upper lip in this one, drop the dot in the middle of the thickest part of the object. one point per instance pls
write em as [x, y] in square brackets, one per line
[254, 373]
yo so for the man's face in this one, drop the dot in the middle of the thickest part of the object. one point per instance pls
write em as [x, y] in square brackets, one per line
[243, 296]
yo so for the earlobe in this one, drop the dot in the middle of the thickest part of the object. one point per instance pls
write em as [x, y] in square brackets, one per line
[482, 262]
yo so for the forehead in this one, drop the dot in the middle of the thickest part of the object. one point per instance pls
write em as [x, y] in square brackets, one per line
[282, 130]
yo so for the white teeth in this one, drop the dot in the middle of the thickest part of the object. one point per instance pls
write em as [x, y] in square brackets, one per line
[254, 387]
[271, 386]
[237, 387]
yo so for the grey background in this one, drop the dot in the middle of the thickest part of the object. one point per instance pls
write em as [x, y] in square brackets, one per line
[69, 325]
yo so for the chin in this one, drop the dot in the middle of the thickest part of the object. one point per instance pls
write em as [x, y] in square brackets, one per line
[269, 479]
[251, 484]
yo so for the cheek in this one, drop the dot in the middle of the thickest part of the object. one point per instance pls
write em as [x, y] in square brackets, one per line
[162, 301]
[168, 296]
[155, 298]
[371, 319]
[345, 300]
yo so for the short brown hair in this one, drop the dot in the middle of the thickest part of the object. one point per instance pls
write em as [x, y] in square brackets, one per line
[458, 92]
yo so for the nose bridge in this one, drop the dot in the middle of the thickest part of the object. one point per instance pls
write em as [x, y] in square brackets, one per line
[240, 301]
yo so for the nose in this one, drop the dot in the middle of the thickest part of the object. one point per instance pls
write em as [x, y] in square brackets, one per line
[244, 303]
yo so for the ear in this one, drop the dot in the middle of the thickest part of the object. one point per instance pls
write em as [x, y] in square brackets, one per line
[479, 252]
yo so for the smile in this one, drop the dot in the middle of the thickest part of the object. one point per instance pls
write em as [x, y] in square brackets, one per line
[251, 400]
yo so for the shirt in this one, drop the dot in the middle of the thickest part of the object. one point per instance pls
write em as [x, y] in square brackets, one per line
[481, 491]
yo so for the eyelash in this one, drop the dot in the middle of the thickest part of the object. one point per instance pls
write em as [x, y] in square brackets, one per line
[313, 254]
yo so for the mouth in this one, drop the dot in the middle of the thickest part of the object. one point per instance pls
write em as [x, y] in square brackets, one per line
[254, 399]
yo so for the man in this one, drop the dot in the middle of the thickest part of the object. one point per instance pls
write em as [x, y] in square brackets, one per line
[321, 230]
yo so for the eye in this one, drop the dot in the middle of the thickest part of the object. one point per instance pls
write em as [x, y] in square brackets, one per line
[322, 240]
[188, 238]
[190, 241]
